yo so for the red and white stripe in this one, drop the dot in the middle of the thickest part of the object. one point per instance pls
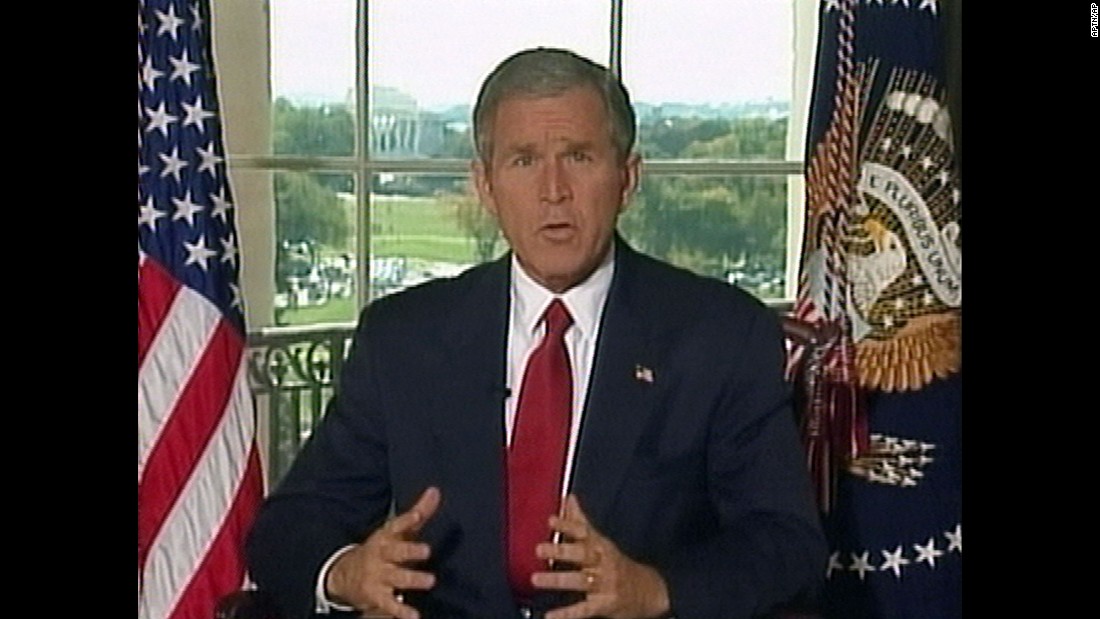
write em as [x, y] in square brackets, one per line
[199, 478]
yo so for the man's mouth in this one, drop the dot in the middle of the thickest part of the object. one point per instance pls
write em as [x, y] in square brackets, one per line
[557, 231]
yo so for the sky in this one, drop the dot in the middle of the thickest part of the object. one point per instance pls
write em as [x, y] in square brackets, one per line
[688, 51]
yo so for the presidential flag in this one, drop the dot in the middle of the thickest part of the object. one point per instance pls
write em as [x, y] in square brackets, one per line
[881, 282]
[199, 478]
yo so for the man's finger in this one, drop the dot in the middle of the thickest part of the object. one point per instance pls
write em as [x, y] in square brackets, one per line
[427, 503]
[572, 528]
[580, 610]
[405, 579]
[566, 581]
[412, 520]
[577, 554]
[572, 509]
[400, 610]
[573, 522]
[405, 552]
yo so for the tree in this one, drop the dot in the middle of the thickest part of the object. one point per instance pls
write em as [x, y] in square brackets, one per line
[324, 130]
[476, 222]
[666, 138]
[709, 224]
[307, 210]
[457, 144]
[748, 138]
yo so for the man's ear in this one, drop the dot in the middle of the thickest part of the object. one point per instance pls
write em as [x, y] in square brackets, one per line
[632, 170]
[479, 174]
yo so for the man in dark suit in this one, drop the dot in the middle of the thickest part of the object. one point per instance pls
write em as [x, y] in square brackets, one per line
[681, 480]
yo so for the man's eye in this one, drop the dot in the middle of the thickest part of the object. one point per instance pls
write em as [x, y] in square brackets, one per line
[523, 161]
[579, 155]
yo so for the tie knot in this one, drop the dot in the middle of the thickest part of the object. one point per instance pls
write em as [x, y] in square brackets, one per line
[557, 317]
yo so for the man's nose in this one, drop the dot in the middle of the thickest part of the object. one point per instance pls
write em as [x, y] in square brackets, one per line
[554, 187]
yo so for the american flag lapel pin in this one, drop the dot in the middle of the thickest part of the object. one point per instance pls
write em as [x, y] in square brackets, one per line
[643, 373]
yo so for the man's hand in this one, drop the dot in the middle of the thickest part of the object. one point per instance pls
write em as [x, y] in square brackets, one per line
[369, 576]
[614, 585]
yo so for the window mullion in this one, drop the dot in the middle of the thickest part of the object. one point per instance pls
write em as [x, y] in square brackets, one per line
[362, 155]
[615, 63]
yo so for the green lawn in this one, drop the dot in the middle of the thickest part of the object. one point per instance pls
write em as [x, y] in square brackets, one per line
[431, 248]
[425, 228]
[419, 228]
[335, 310]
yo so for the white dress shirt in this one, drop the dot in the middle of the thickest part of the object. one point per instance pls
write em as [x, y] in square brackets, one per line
[528, 301]
[526, 329]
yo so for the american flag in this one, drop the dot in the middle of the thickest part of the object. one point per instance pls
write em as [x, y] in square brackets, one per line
[199, 477]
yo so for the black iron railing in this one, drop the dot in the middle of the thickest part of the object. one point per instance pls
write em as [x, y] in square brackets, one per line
[293, 372]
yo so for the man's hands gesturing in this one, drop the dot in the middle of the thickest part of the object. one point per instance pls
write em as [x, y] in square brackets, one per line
[370, 576]
[614, 585]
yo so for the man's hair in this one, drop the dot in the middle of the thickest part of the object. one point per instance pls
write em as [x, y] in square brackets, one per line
[548, 72]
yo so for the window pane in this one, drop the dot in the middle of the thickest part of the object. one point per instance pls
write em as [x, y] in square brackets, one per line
[733, 227]
[313, 76]
[315, 248]
[698, 68]
[325, 129]
[428, 58]
[425, 226]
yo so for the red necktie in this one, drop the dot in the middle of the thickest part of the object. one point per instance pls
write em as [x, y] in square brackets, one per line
[536, 458]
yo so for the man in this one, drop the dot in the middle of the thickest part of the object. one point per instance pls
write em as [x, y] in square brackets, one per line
[680, 477]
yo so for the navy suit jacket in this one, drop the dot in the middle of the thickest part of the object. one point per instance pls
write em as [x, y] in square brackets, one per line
[698, 473]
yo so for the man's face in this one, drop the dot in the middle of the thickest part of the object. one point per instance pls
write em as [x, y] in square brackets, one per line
[556, 183]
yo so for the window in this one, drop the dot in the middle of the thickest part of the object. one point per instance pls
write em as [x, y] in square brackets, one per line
[349, 146]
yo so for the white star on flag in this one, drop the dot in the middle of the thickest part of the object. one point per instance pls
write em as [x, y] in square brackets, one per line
[210, 159]
[198, 252]
[834, 564]
[928, 552]
[172, 164]
[186, 209]
[150, 74]
[148, 214]
[861, 564]
[893, 561]
[169, 22]
[194, 114]
[159, 119]
[236, 290]
[229, 250]
[182, 68]
[221, 205]
[955, 539]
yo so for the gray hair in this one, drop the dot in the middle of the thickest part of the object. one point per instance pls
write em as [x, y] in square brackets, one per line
[548, 72]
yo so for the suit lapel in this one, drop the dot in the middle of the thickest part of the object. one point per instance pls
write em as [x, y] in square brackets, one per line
[621, 394]
[469, 430]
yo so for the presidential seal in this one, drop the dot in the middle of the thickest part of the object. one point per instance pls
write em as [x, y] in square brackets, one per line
[903, 241]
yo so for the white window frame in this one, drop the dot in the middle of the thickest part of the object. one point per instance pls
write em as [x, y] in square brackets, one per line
[242, 62]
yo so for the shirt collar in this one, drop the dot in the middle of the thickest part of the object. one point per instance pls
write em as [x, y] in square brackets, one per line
[584, 301]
